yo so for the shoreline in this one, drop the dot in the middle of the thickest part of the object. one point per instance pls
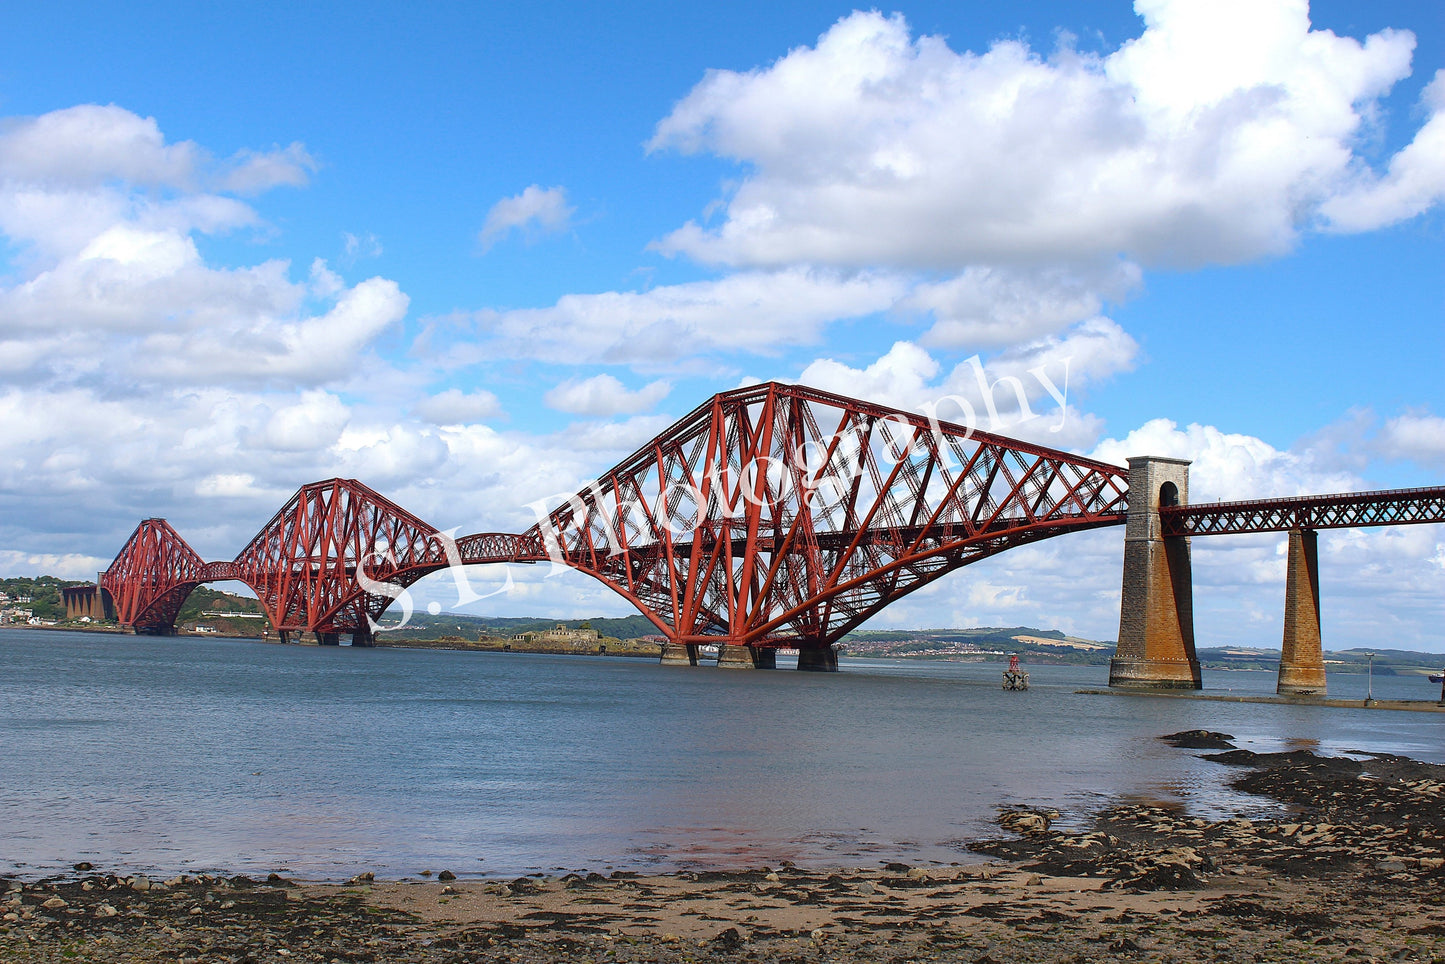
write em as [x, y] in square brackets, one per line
[1354, 872]
[1414, 706]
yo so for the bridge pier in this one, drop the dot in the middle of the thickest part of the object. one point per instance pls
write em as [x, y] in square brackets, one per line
[679, 654]
[742, 656]
[818, 659]
[328, 639]
[1156, 606]
[87, 600]
[1302, 658]
[362, 636]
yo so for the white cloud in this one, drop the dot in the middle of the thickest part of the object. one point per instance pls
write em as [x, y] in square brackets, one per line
[356, 246]
[1414, 182]
[755, 312]
[252, 172]
[538, 210]
[1050, 372]
[111, 287]
[1416, 437]
[455, 407]
[63, 566]
[901, 378]
[87, 145]
[604, 395]
[1215, 136]
[1229, 466]
[616, 438]
[990, 307]
[314, 422]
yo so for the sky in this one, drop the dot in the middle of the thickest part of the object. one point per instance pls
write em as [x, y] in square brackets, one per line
[473, 257]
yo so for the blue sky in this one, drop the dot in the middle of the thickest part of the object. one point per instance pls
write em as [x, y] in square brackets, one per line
[474, 256]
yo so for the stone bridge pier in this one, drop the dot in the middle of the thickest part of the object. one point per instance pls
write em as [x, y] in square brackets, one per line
[1302, 658]
[818, 658]
[1156, 606]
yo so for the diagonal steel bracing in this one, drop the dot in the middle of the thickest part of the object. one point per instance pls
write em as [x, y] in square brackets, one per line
[771, 515]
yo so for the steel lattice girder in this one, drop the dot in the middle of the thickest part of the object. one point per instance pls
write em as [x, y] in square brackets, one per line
[151, 575]
[1344, 511]
[779, 514]
[770, 515]
[303, 564]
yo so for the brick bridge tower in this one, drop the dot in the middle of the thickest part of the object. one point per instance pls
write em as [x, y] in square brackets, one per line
[1156, 607]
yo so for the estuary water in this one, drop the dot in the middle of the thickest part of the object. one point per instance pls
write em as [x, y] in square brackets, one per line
[184, 754]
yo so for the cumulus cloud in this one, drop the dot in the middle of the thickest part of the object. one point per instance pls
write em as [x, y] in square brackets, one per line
[64, 566]
[991, 307]
[757, 312]
[456, 407]
[112, 288]
[604, 395]
[1023, 392]
[1417, 437]
[619, 438]
[535, 210]
[1228, 465]
[314, 422]
[1214, 137]
[87, 145]
[252, 172]
[1414, 181]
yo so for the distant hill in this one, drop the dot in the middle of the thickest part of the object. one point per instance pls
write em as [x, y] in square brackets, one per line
[982, 644]
[424, 625]
[40, 595]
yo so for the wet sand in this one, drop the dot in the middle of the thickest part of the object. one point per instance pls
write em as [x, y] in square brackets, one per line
[1355, 873]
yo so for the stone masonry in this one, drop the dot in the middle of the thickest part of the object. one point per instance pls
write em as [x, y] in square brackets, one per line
[1302, 660]
[1156, 607]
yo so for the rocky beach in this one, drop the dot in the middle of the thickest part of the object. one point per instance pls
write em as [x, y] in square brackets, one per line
[1353, 870]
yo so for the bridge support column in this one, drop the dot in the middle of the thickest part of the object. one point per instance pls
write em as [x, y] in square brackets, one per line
[745, 657]
[1156, 606]
[818, 659]
[1302, 658]
[679, 654]
[362, 636]
[328, 639]
[286, 637]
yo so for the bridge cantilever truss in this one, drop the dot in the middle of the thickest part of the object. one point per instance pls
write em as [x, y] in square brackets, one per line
[773, 515]
[770, 515]
[782, 515]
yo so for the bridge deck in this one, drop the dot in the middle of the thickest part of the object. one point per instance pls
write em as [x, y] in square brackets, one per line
[1349, 510]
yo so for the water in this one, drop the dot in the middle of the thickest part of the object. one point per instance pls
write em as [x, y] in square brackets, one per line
[169, 755]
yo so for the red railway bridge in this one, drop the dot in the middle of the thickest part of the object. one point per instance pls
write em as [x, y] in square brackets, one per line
[774, 516]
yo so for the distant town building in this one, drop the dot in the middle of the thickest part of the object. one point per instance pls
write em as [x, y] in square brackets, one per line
[560, 633]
